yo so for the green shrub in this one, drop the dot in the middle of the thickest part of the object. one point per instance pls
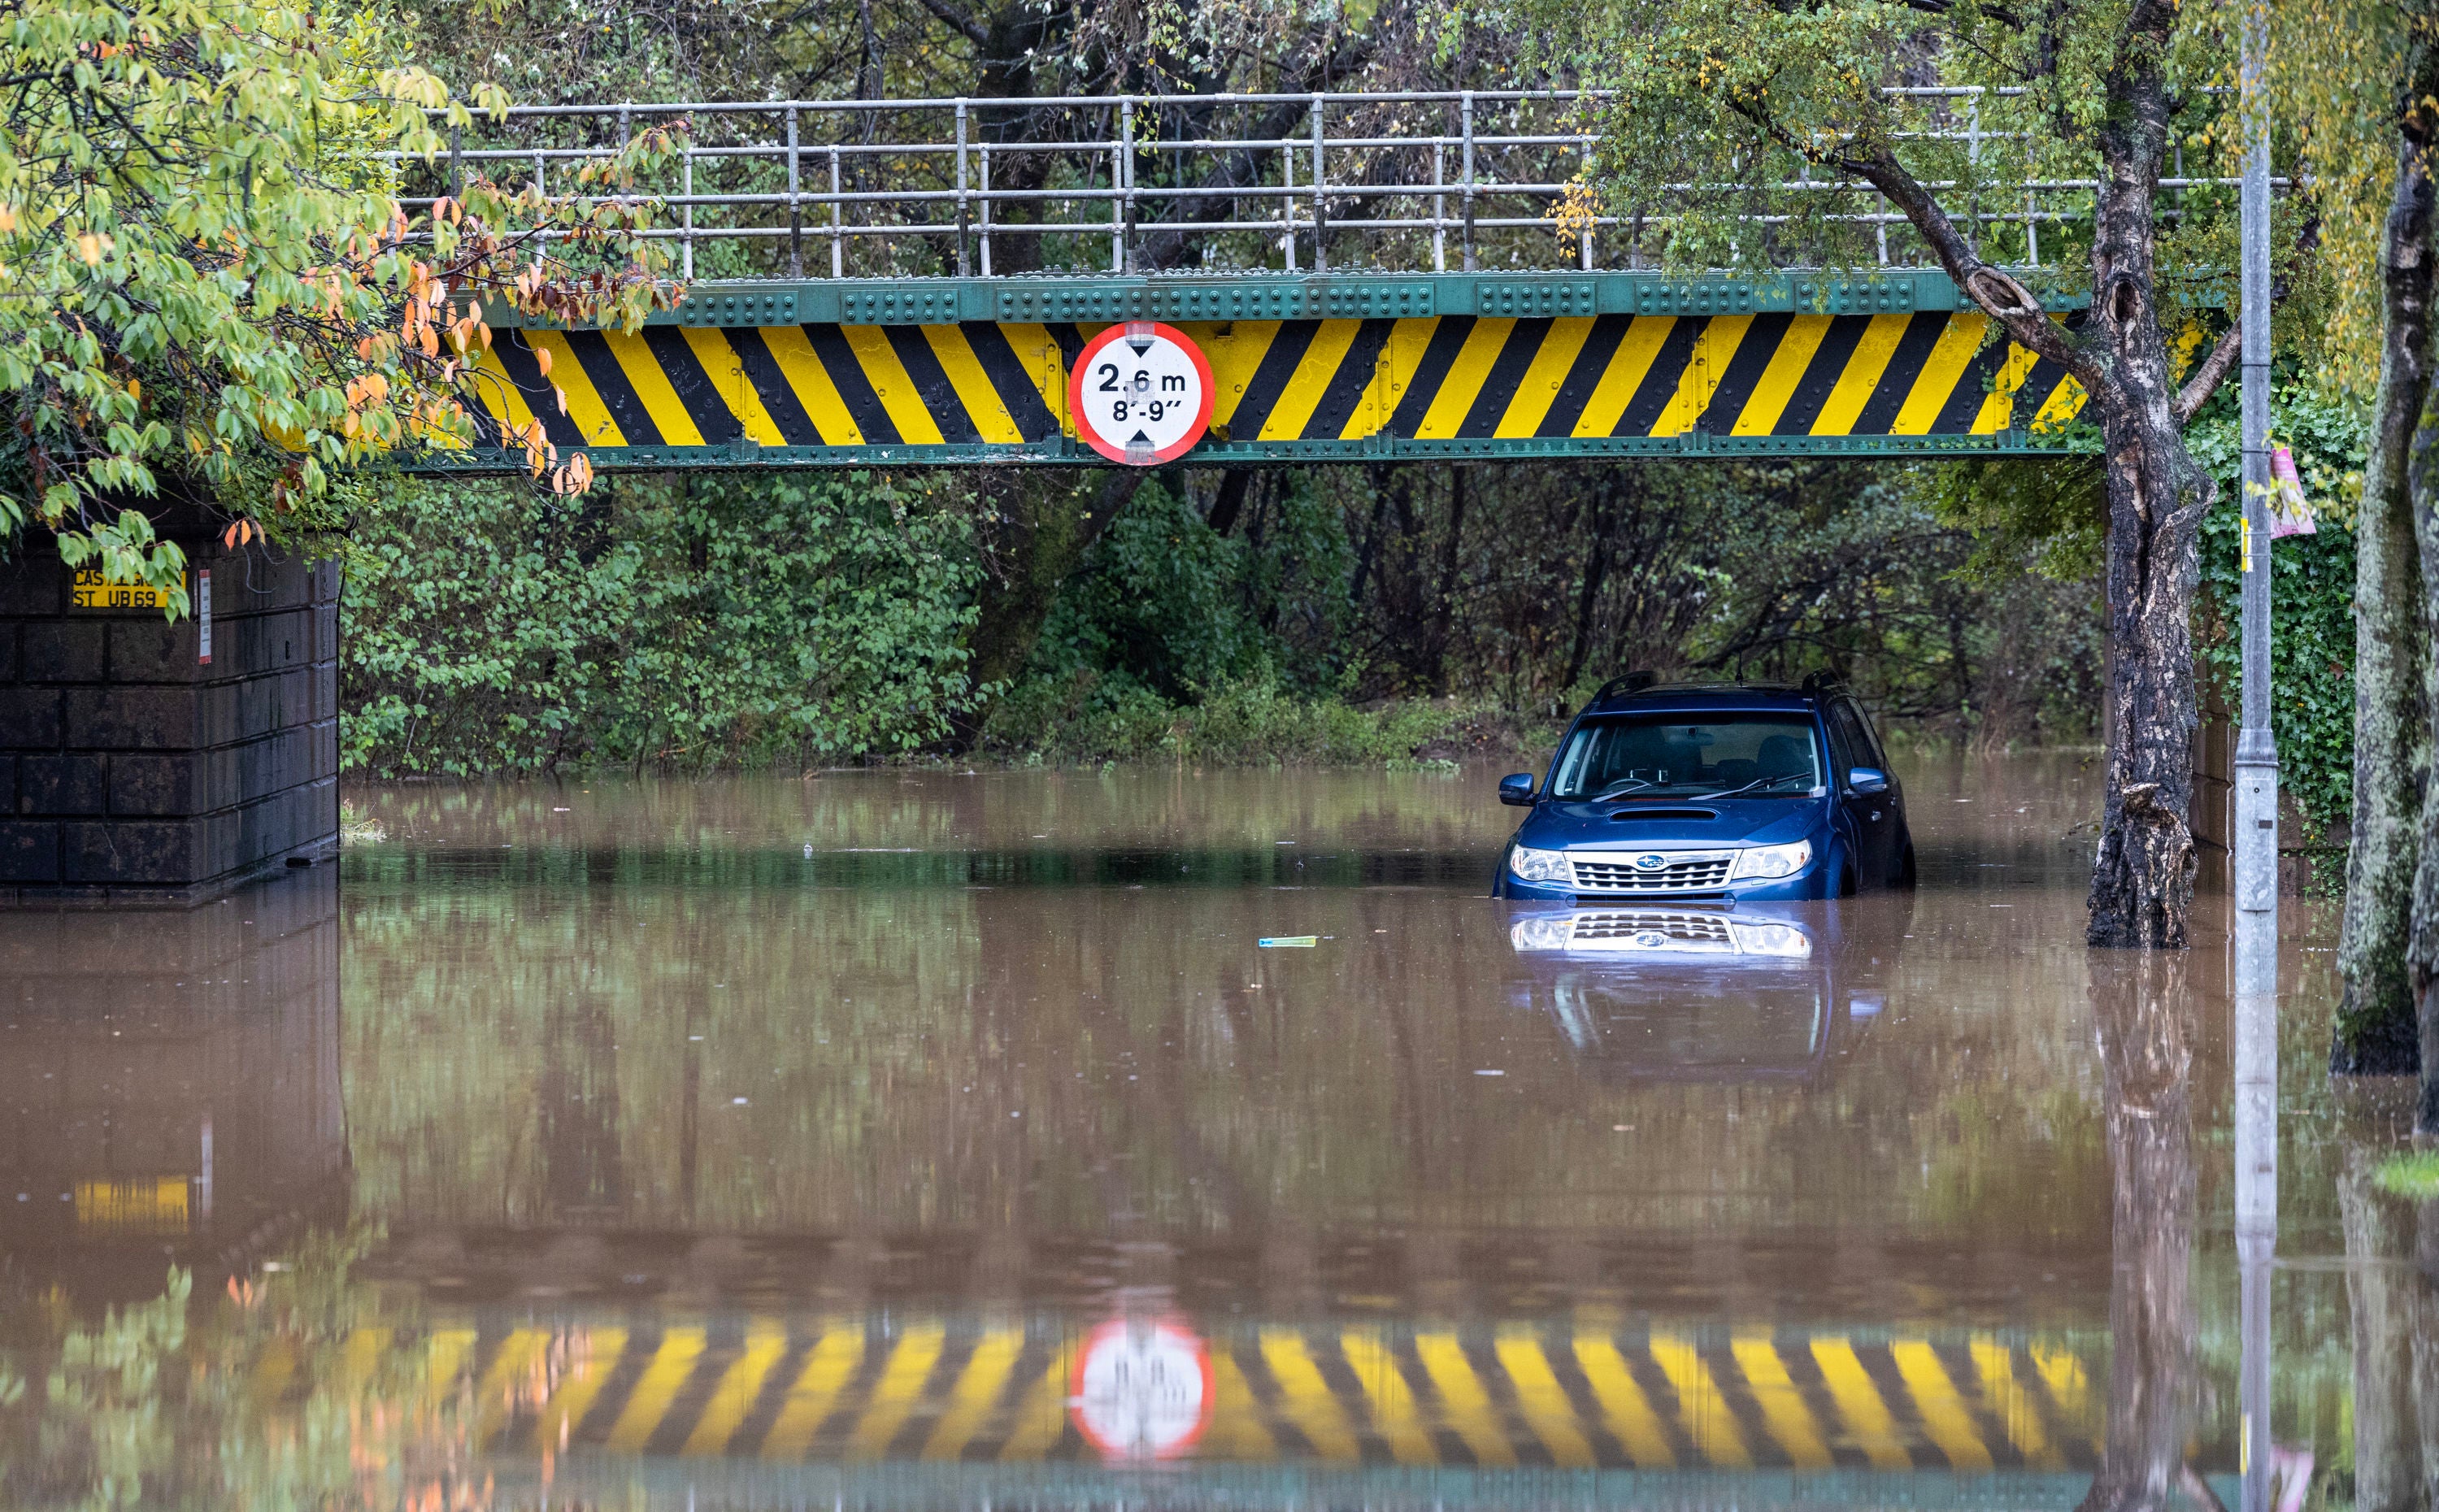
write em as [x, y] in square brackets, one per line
[1163, 607]
[2414, 1175]
[689, 623]
[1250, 720]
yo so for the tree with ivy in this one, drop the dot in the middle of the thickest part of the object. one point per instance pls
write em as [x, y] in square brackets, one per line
[2388, 1018]
[213, 298]
[1742, 132]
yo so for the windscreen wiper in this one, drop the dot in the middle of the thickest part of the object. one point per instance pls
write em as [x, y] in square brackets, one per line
[1757, 782]
[1620, 789]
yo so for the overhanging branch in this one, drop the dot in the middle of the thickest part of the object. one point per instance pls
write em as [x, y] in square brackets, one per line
[1998, 293]
[958, 21]
[2211, 373]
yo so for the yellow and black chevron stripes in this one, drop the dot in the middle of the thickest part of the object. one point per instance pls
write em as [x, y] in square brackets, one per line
[1447, 379]
[849, 1390]
[780, 385]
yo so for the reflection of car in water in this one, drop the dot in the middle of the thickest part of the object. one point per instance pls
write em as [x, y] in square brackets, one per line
[1689, 992]
[1710, 790]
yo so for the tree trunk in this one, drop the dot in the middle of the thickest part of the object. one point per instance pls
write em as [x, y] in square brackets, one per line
[2375, 1030]
[2141, 1012]
[1452, 557]
[2421, 938]
[1231, 501]
[1370, 545]
[1588, 591]
[2143, 879]
[1036, 527]
[2391, 1314]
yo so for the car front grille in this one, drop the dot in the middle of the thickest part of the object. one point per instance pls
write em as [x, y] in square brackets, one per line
[1633, 924]
[1683, 871]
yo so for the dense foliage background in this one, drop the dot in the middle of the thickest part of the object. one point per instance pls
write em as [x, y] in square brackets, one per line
[1331, 613]
[1339, 614]
[695, 622]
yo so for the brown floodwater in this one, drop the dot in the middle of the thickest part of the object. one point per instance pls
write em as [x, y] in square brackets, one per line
[955, 1139]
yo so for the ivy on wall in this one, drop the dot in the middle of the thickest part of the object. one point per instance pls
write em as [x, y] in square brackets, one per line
[2312, 586]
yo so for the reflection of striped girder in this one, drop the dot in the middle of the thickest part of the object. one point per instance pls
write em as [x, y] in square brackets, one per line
[1449, 385]
[927, 1389]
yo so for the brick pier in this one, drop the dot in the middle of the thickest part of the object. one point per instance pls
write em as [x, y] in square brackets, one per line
[134, 773]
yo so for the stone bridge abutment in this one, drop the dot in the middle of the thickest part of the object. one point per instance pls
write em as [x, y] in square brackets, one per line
[145, 763]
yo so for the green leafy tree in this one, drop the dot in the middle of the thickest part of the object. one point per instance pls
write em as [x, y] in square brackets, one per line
[215, 298]
[1757, 134]
[2380, 128]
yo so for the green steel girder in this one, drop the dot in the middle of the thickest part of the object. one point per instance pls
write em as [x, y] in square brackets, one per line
[1064, 452]
[965, 372]
[1340, 295]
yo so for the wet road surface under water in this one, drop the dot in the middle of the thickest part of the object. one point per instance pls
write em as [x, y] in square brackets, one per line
[938, 1140]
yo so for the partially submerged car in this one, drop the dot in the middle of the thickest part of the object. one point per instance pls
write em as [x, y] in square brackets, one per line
[1717, 792]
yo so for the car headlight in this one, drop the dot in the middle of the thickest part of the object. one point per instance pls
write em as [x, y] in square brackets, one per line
[1772, 860]
[1772, 940]
[1541, 934]
[1541, 865]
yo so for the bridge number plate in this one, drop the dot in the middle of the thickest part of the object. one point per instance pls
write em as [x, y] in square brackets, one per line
[1141, 393]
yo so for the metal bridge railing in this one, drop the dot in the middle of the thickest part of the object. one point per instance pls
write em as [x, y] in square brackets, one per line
[1390, 182]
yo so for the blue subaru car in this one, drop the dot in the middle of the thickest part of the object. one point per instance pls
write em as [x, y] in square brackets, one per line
[1730, 792]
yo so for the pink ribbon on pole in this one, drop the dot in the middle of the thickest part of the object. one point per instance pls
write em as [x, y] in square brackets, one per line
[2290, 513]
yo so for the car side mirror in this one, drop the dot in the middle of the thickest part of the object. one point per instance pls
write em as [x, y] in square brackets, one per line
[1515, 790]
[1867, 781]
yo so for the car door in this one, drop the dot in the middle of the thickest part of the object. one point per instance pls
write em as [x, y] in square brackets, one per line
[1874, 814]
[1893, 808]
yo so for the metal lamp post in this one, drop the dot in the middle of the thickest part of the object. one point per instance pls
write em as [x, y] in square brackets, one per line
[2255, 848]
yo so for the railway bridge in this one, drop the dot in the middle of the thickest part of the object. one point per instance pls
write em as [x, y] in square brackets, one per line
[1366, 276]
[909, 284]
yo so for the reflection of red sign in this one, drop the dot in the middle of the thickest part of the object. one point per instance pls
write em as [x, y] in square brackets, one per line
[1141, 1389]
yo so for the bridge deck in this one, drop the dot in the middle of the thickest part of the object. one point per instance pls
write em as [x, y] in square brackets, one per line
[1307, 370]
[1381, 275]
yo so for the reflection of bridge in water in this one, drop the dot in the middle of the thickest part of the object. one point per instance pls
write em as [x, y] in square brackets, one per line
[947, 1369]
[931, 1388]
[1614, 1341]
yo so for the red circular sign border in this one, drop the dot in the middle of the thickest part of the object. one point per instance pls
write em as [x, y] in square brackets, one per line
[1201, 1359]
[1091, 437]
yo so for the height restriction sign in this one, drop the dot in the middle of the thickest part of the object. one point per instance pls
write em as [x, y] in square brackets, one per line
[1141, 393]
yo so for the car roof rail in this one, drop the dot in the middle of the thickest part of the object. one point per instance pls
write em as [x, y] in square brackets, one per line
[1823, 682]
[1629, 683]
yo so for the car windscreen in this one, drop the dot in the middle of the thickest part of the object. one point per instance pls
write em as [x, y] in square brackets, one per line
[1679, 756]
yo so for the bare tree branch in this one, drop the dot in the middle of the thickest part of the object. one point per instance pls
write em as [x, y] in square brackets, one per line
[1940, 7]
[2000, 295]
[958, 21]
[2213, 372]
[2005, 301]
